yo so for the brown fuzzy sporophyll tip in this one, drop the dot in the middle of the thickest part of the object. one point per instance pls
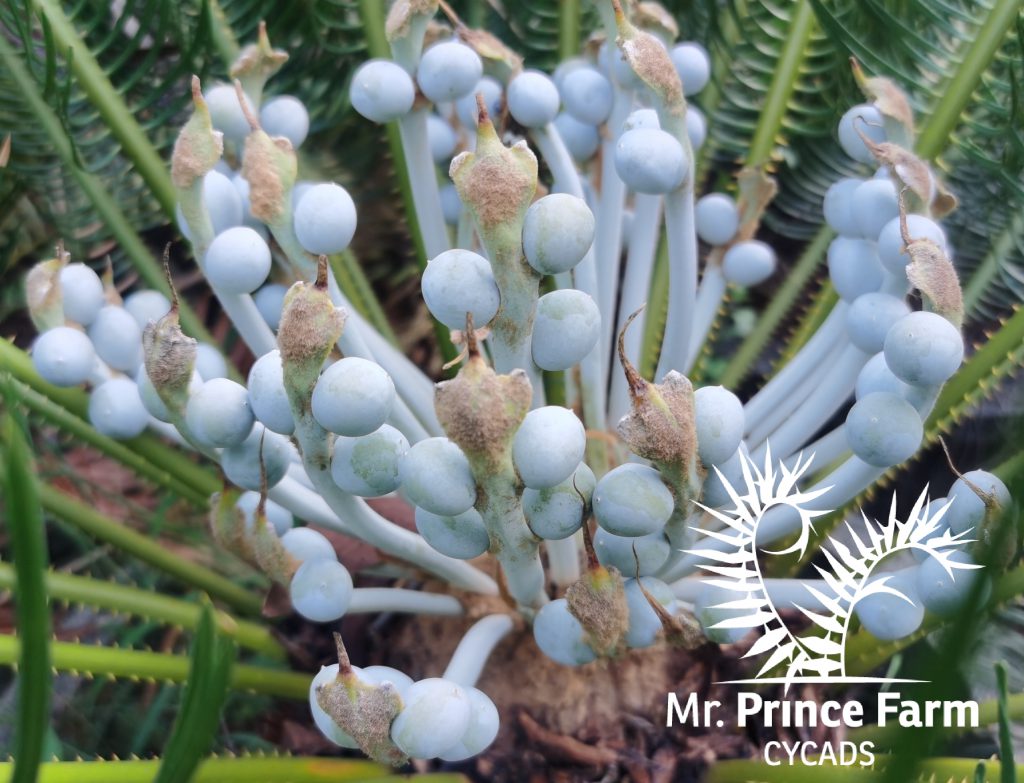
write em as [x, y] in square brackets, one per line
[661, 425]
[496, 182]
[198, 146]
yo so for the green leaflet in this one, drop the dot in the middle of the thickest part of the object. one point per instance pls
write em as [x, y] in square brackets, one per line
[28, 540]
[102, 594]
[94, 660]
[247, 769]
[209, 677]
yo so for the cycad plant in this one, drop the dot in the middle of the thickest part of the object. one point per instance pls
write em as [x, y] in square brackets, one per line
[662, 246]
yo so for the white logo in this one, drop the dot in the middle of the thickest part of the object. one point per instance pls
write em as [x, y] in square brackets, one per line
[731, 558]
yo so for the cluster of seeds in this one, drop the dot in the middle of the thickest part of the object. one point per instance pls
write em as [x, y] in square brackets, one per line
[533, 285]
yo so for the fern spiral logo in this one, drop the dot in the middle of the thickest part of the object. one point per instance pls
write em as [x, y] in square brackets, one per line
[736, 572]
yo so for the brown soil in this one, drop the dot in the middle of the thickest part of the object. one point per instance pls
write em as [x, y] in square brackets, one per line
[605, 721]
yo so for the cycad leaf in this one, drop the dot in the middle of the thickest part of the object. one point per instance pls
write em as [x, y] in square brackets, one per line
[213, 655]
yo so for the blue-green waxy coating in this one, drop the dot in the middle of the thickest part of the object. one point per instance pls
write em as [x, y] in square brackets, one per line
[651, 552]
[325, 219]
[368, 466]
[650, 161]
[924, 349]
[305, 543]
[434, 718]
[548, 446]
[877, 377]
[82, 293]
[883, 429]
[967, 510]
[270, 302]
[560, 635]
[713, 493]
[221, 200]
[693, 66]
[838, 207]
[580, 139]
[587, 95]
[696, 127]
[566, 328]
[435, 475]
[875, 203]
[451, 204]
[441, 138]
[226, 112]
[353, 397]
[321, 590]
[267, 394]
[644, 623]
[870, 318]
[241, 463]
[945, 592]
[63, 356]
[709, 613]
[286, 116]
[116, 410]
[117, 339]
[151, 399]
[862, 119]
[720, 423]
[458, 282]
[448, 70]
[237, 261]
[219, 414]
[463, 536]
[717, 218]
[557, 232]
[642, 118]
[248, 219]
[484, 723]
[278, 516]
[632, 500]
[210, 362]
[533, 99]
[892, 251]
[466, 108]
[854, 267]
[147, 306]
[889, 617]
[748, 263]
[557, 512]
[382, 91]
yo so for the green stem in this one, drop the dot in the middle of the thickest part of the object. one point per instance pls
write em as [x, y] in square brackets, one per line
[787, 72]
[957, 92]
[150, 448]
[266, 769]
[28, 543]
[147, 549]
[95, 660]
[85, 433]
[101, 594]
[117, 117]
[223, 36]
[568, 28]
[988, 714]
[106, 207]
[760, 772]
